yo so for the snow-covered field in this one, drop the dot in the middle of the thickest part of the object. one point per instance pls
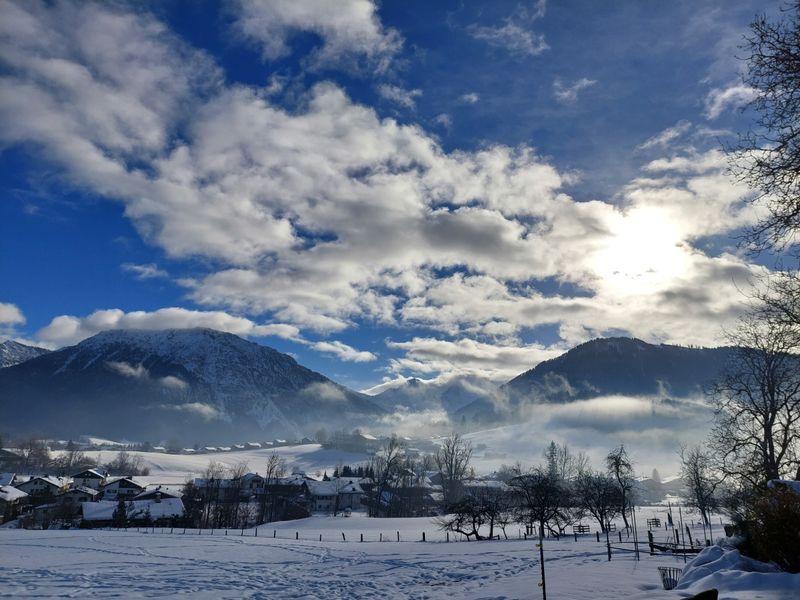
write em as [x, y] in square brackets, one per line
[177, 468]
[118, 564]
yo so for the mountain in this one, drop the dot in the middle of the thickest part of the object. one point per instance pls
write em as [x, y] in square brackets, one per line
[13, 353]
[610, 366]
[449, 395]
[188, 385]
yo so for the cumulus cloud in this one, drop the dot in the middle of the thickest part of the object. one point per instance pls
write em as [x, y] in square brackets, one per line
[10, 314]
[733, 96]
[403, 97]
[66, 330]
[343, 352]
[351, 32]
[148, 271]
[568, 93]
[287, 201]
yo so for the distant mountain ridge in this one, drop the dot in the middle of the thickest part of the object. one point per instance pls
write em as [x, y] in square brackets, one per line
[448, 396]
[13, 353]
[184, 384]
[609, 366]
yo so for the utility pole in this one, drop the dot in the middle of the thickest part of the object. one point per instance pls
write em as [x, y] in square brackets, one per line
[542, 583]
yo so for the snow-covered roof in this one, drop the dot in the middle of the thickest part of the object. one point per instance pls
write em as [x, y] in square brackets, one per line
[164, 492]
[104, 510]
[52, 480]
[9, 493]
[90, 474]
[82, 489]
[322, 488]
[369, 437]
[117, 481]
[253, 445]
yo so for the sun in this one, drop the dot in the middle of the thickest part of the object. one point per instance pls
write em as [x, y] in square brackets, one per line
[644, 252]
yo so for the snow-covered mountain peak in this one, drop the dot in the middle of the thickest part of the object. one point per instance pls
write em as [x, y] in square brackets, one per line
[14, 353]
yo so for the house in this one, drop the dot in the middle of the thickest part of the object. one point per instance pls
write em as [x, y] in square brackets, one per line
[238, 446]
[251, 484]
[11, 502]
[159, 493]
[350, 493]
[322, 495]
[43, 486]
[100, 514]
[161, 449]
[122, 487]
[79, 493]
[90, 478]
[8, 479]
[253, 446]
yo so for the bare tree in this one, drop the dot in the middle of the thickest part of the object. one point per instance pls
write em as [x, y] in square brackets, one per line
[452, 460]
[275, 471]
[620, 467]
[698, 474]
[541, 496]
[599, 494]
[564, 464]
[757, 404]
[768, 156]
[385, 466]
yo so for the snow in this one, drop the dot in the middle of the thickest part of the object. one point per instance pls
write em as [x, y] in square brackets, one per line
[9, 493]
[104, 510]
[100, 563]
[179, 468]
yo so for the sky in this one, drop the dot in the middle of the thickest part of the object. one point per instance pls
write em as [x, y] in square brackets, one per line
[387, 190]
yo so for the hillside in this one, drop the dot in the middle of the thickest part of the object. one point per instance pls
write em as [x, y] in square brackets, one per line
[609, 366]
[181, 384]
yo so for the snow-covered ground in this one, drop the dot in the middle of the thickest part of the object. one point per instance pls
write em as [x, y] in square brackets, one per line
[46, 564]
[177, 468]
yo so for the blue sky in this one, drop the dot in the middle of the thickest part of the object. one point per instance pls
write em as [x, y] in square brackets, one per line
[409, 188]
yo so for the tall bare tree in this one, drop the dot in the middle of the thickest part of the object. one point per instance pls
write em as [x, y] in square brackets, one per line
[599, 494]
[768, 156]
[620, 467]
[452, 460]
[701, 481]
[757, 404]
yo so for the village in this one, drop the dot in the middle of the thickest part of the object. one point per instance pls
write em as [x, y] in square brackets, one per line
[401, 478]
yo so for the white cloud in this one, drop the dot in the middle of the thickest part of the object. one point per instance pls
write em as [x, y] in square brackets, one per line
[200, 409]
[343, 351]
[351, 32]
[512, 37]
[469, 98]
[322, 215]
[10, 314]
[666, 137]
[66, 330]
[444, 120]
[733, 96]
[148, 271]
[398, 95]
[568, 93]
[129, 370]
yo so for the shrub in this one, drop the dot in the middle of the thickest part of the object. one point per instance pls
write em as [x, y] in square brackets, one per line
[772, 529]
